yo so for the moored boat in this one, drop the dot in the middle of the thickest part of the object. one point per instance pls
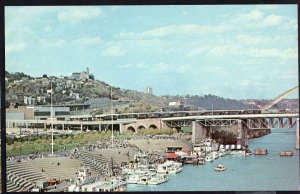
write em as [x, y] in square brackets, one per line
[261, 152]
[90, 184]
[133, 179]
[157, 179]
[169, 167]
[143, 180]
[220, 168]
[286, 153]
[209, 158]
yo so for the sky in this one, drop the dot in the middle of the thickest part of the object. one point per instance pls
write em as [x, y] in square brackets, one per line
[233, 51]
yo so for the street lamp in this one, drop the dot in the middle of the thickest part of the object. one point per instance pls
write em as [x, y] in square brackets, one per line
[51, 119]
[112, 118]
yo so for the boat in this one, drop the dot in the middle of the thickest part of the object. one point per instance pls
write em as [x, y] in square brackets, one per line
[215, 154]
[133, 179]
[86, 183]
[261, 152]
[169, 167]
[220, 168]
[157, 179]
[286, 153]
[201, 161]
[209, 158]
[198, 161]
[143, 180]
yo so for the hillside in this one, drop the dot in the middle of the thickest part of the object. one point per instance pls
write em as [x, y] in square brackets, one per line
[22, 89]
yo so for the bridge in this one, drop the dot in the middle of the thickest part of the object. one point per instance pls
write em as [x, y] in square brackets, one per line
[203, 125]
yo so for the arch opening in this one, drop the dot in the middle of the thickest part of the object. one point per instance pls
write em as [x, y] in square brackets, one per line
[131, 129]
[153, 126]
[141, 127]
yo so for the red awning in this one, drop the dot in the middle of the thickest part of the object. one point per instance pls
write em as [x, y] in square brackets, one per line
[172, 156]
[186, 151]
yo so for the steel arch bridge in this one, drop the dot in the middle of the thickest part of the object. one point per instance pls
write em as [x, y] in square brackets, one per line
[279, 98]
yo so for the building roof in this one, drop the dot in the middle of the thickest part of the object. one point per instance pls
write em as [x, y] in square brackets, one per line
[172, 156]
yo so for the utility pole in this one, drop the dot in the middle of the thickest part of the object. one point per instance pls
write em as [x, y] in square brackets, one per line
[112, 167]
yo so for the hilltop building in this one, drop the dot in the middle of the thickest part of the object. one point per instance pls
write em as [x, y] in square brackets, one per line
[148, 90]
[84, 75]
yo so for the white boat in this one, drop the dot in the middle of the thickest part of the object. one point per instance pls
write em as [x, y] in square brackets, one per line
[220, 168]
[85, 183]
[133, 179]
[215, 154]
[169, 167]
[209, 158]
[143, 180]
[158, 179]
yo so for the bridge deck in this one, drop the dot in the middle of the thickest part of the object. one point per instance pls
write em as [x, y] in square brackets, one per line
[248, 116]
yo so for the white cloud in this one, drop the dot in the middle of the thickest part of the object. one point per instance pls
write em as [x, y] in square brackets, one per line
[290, 53]
[256, 19]
[160, 67]
[174, 30]
[114, 51]
[234, 49]
[196, 52]
[272, 20]
[245, 83]
[288, 76]
[292, 24]
[76, 15]
[254, 15]
[88, 41]
[26, 14]
[252, 40]
[272, 53]
[214, 50]
[134, 66]
[184, 68]
[13, 48]
[52, 42]
[266, 7]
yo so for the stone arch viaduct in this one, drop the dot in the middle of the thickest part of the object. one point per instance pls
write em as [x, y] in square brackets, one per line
[144, 124]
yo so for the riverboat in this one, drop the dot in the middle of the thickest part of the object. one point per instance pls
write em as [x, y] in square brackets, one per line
[157, 179]
[220, 168]
[133, 179]
[169, 167]
[85, 183]
[144, 179]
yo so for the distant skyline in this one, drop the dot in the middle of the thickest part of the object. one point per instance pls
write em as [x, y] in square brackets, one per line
[233, 51]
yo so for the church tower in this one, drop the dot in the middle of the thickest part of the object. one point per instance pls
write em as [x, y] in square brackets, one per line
[88, 71]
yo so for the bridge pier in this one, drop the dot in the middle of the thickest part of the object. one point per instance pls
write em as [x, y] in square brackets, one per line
[121, 126]
[289, 122]
[199, 132]
[280, 122]
[243, 133]
[297, 134]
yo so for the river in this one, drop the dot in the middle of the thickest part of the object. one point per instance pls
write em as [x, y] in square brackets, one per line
[243, 173]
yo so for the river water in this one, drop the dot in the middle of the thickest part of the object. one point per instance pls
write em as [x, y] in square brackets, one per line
[243, 173]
